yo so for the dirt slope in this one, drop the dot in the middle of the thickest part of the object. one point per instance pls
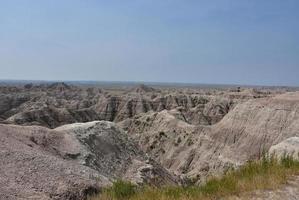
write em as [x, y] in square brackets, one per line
[70, 162]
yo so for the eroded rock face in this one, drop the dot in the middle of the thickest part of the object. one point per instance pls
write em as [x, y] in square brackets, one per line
[109, 150]
[252, 127]
[58, 104]
[194, 151]
[71, 161]
[35, 164]
[187, 132]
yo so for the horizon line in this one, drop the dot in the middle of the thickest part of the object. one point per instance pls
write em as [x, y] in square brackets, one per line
[144, 82]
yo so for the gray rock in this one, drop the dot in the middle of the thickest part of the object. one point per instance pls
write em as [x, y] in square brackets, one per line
[33, 166]
[71, 162]
[109, 150]
[288, 147]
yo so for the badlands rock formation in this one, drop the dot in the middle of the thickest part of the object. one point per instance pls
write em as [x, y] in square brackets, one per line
[161, 134]
[194, 151]
[71, 161]
[36, 163]
[107, 149]
[58, 104]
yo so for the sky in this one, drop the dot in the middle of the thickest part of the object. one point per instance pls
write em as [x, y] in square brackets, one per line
[253, 42]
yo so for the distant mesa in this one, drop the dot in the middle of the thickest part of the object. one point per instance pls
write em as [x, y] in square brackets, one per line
[144, 89]
[28, 86]
[59, 86]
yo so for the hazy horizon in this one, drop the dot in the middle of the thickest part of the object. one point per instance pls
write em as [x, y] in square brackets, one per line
[228, 42]
[136, 83]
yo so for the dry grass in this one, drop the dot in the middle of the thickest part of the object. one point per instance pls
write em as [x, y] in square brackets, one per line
[268, 173]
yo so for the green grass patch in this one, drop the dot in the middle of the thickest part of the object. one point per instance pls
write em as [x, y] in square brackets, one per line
[121, 190]
[267, 173]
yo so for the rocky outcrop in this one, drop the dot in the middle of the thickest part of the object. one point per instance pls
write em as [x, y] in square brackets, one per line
[9, 101]
[59, 104]
[36, 164]
[108, 149]
[194, 151]
[286, 148]
[252, 127]
[71, 161]
[189, 131]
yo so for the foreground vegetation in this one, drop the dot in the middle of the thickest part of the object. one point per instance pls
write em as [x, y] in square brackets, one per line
[268, 173]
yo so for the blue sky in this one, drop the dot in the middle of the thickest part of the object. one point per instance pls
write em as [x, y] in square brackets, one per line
[196, 41]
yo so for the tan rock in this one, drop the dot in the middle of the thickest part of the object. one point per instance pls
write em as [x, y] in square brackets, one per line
[288, 147]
